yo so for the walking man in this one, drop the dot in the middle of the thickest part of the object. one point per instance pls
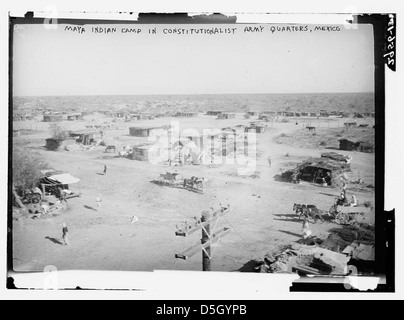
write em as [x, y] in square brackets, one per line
[62, 195]
[65, 234]
[105, 169]
[269, 161]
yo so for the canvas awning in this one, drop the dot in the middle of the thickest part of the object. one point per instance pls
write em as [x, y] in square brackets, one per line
[64, 178]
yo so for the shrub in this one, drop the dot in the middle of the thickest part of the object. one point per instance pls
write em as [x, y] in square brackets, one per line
[323, 143]
[367, 204]
[58, 132]
[27, 166]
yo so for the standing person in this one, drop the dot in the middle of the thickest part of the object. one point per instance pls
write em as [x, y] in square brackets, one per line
[65, 234]
[105, 169]
[343, 199]
[269, 161]
[60, 191]
[306, 229]
[98, 200]
[343, 177]
[64, 196]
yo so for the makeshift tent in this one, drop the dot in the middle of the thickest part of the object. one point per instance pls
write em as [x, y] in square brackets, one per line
[64, 178]
[51, 184]
[226, 115]
[213, 112]
[349, 145]
[366, 147]
[75, 116]
[148, 131]
[86, 137]
[317, 170]
[53, 118]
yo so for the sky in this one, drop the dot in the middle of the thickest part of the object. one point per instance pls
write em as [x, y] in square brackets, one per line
[66, 62]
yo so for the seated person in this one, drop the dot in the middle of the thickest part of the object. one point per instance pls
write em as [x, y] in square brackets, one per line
[354, 201]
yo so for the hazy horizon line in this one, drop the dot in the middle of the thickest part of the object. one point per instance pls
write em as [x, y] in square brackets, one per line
[189, 94]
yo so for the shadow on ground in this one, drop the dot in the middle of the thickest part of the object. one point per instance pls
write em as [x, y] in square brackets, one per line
[54, 240]
[288, 217]
[291, 233]
[107, 157]
[250, 266]
[90, 208]
[328, 194]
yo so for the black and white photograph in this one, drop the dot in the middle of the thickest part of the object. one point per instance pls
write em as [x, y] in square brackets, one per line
[202, 143]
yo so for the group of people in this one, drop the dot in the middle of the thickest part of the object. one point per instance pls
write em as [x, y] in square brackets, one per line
[343, 200]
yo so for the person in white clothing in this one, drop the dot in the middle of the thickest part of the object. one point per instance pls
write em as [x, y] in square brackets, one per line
[354, 201]
[306, 231]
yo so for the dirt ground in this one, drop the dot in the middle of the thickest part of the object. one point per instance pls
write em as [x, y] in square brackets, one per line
[261, 216]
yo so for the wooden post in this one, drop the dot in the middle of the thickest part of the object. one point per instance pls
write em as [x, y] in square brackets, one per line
[209, 236]
[205, 238]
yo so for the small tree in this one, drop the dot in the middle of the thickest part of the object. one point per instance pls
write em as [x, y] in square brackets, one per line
[26, 170]
[247, 115]
[57, 132]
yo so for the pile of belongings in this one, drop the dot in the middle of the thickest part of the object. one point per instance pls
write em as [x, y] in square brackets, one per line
[45, 209]
[363, 233]
[313, 255]
[311, 241]
[307, 260]
[358, 241]
[360, 251]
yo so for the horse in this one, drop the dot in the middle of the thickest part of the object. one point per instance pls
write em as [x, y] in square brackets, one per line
[315, 214]
[298, 208]
[110, 148]
[308, 211]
